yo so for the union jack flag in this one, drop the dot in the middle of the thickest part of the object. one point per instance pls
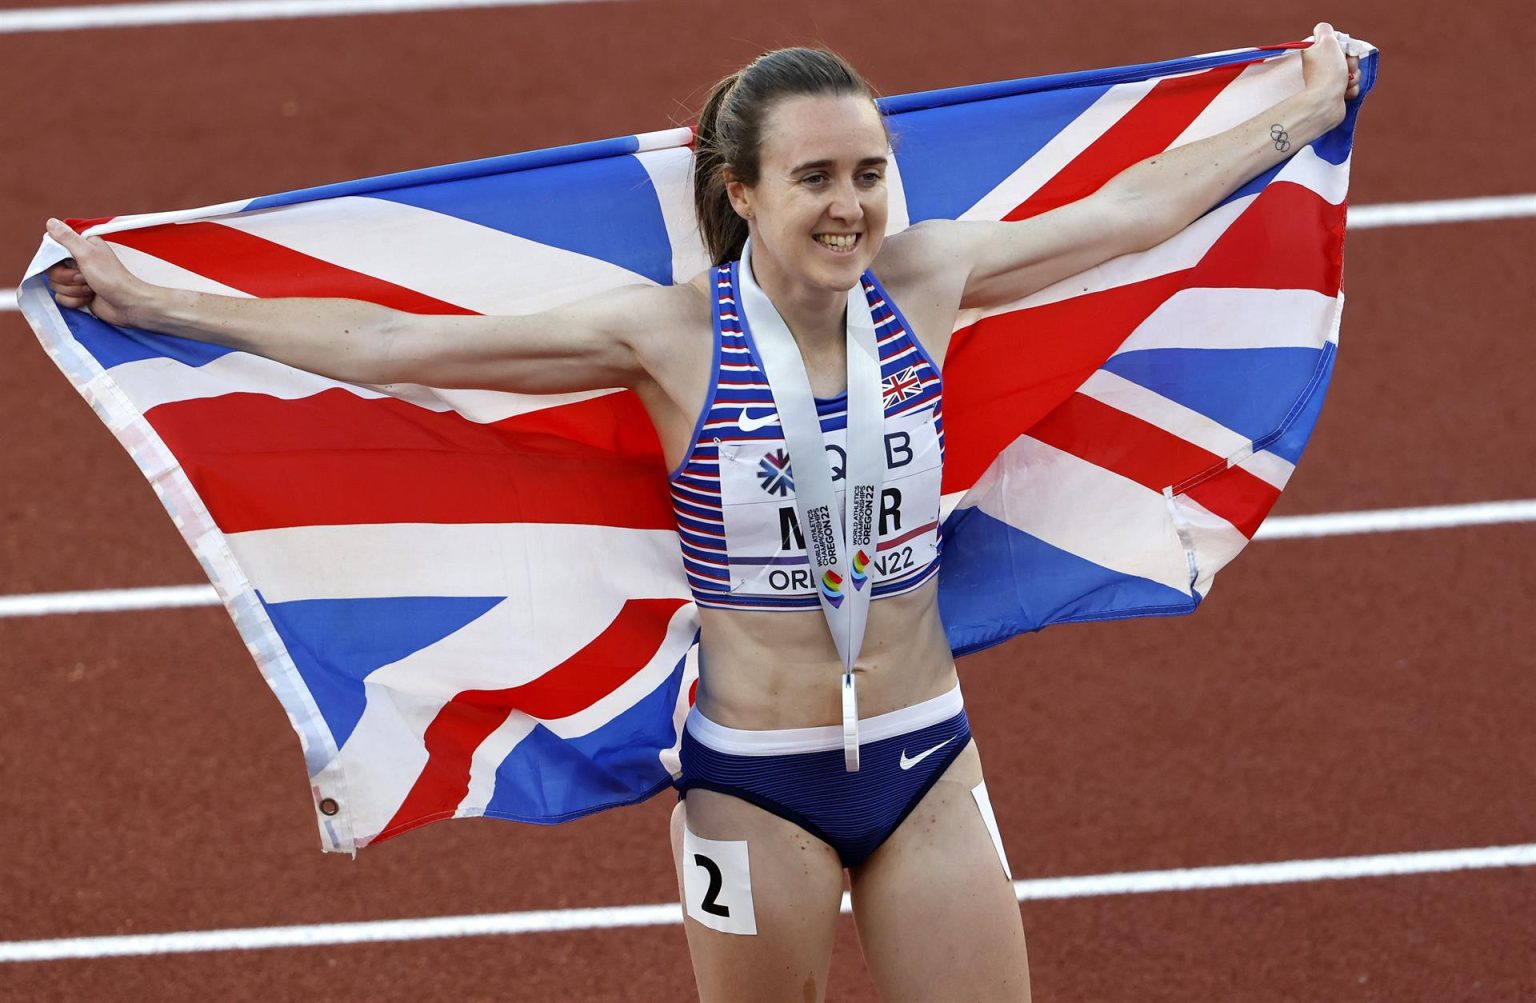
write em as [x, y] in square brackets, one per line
[900, 386]
[473, 603]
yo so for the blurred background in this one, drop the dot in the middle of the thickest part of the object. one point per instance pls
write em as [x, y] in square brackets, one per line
[1342, 696]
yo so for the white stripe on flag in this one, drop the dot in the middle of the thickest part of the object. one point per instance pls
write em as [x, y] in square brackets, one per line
[1036, 488]
[671, 173]
[1187, 424]
[1064, 147]
[426, 251]
[1214, 540]
[430, 559]
[151, 382]
[1236, 318]
[1259, 85]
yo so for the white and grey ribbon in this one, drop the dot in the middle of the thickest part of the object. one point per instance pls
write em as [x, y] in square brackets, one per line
[839, 543]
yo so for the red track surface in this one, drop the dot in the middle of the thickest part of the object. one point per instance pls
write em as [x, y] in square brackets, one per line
[1335, 697]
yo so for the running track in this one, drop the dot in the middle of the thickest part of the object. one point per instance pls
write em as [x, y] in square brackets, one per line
[1342, 696]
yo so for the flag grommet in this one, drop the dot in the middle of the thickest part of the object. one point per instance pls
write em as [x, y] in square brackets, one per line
[328, 806]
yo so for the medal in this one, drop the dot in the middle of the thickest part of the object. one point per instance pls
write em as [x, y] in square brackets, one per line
[840, 543]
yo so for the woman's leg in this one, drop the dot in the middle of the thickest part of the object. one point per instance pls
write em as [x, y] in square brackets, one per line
[796, 887]
[937, 915]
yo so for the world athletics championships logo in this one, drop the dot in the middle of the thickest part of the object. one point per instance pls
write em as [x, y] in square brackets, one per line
[860, 562]
[773, 471]
[832, 587]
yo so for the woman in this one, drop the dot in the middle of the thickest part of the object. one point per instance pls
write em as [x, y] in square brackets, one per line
[794, 588]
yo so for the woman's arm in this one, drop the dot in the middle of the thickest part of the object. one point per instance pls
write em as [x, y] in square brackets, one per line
[1143, 205]
[583, 347]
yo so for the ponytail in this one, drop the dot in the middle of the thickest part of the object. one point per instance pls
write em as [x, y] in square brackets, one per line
[723, 231]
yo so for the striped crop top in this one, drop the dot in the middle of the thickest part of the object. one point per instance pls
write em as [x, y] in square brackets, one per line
[734, 492]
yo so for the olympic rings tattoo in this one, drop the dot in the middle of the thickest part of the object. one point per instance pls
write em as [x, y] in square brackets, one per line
[1281, 137]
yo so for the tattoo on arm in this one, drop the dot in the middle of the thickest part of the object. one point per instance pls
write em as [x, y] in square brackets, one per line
[1281, 137]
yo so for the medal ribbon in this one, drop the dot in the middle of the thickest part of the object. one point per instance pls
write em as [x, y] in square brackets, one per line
[839, 543]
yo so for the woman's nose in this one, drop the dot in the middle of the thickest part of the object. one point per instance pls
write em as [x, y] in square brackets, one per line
[845, 203]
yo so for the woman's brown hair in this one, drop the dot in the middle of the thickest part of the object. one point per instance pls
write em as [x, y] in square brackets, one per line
[730, 132]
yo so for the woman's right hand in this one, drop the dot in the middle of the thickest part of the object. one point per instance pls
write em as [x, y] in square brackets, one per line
[92, 276]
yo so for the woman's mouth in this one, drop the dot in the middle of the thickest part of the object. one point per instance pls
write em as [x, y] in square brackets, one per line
[841, 243]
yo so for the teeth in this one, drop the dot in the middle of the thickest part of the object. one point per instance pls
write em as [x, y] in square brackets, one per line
[838, 242]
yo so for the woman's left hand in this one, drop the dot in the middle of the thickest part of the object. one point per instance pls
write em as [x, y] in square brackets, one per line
[1331, 65]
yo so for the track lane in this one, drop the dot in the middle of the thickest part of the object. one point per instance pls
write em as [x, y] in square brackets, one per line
[1122, 747]
[1302, 727]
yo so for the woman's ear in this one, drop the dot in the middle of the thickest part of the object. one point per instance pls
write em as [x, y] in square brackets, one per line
[739, 194]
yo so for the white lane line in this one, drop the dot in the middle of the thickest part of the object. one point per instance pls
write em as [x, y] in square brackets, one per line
[135, 15]
[1294, 527]
[1363, 217]
[669, 913]
[1284, 872]
[108, 600]
[1471, 210]
[1396, 520]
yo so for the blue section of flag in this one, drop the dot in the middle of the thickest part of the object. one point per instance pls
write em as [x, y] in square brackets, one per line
[983, 555]
[548, 779]
[1109, 76]
[951, 157]
[1293, 438]
[112, 346]
[1249, 390]
[490, 166]
[617, 218]
[336, 643]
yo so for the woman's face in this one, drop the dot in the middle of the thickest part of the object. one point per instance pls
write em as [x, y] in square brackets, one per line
[818, 210]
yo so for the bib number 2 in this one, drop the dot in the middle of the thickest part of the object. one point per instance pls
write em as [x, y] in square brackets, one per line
[717, 884]
[711, 903]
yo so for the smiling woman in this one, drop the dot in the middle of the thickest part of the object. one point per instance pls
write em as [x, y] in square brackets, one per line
[796, 390]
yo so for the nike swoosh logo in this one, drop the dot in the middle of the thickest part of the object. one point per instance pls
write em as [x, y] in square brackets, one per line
[907, 764]
[747, 423]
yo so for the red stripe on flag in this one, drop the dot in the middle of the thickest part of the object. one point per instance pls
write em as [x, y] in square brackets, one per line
[1155, 458]
[1289, 237]
[603, 665]
[1007, 372]
[1237, 496]
[1159, 118]
[335, 458]
[267, 269]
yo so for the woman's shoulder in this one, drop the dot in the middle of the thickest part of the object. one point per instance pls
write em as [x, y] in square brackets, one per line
[917, 255]
[641, 307]
[662, 321]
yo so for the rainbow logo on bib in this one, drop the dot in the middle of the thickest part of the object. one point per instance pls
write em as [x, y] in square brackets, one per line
[832, 587]
[859, 563]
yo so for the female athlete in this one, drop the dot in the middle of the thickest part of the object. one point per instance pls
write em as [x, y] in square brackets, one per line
[793, 154]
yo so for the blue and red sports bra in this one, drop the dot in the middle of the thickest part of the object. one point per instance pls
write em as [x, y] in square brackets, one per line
[734, 492]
